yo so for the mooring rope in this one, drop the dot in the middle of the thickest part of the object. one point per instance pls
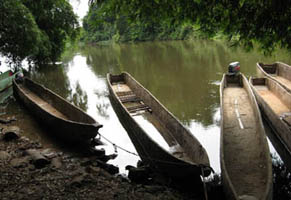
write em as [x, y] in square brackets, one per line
[162, 161]
[117, 146]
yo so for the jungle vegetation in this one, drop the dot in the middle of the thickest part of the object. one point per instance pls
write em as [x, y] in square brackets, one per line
[39, 30]
[36, 30]
[243, 22]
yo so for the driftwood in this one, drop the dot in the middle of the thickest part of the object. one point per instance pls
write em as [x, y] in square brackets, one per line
[37, 158]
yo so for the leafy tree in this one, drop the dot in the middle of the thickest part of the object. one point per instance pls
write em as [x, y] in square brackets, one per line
[19, 34]
[101, 25]
[36, 30]
[98, 25]
[242, 21]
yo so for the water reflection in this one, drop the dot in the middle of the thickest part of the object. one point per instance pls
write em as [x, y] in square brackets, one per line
[80, 97]
[98, 106]
[184, 76]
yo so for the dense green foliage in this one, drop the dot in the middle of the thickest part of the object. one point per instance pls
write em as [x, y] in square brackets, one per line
[101, 25]
[244, 22]
[36, 30]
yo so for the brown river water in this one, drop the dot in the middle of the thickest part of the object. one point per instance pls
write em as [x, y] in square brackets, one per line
[183, 75]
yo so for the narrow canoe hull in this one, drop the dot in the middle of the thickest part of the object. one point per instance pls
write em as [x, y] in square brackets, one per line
[244, 153]
[151, 152]
[275, 104]
[5, 94]
[279, 72]
[66, 120]
[6, 79]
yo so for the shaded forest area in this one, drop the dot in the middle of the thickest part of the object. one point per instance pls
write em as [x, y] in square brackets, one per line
[36, 30]
[39, 30]
[100, 25]
[242, 22]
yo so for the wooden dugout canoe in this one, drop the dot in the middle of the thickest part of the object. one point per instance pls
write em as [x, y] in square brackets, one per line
[244, 153]
[6, 79]
[277, 71]
[129, 99]
[67, 121]
[275, 104]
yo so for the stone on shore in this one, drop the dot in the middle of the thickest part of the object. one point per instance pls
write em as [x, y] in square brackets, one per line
[4, 155]
[10, 133]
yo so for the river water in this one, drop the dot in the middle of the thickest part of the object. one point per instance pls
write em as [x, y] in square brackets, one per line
[183, 75]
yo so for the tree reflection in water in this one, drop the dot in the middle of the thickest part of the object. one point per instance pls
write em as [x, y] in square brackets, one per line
[79, 98]
[55, 78]
[102, 106]
[183, 76]
[52, 77]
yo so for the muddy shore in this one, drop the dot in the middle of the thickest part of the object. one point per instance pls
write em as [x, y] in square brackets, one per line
[47, 174]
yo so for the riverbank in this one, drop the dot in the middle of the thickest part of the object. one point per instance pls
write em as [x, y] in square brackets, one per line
[47, 174]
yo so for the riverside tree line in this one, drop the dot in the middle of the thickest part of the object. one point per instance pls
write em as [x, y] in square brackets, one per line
[38, 30]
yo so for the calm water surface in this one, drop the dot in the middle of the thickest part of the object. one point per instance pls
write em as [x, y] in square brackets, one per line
[184, 76]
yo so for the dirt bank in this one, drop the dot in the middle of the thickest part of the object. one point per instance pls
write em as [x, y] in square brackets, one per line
[46, 174]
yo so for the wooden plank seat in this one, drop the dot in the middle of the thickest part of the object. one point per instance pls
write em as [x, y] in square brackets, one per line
[129, 98]
[124, 93]
[159, 122]
[139, 107]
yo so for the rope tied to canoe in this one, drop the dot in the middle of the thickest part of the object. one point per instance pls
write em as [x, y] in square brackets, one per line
[205, 167]
[115, 146]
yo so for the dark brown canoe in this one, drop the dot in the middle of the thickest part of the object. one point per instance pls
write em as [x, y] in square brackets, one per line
[130, 99]
[275, 104]
[244, 152]
[66, 120]
[277, 71]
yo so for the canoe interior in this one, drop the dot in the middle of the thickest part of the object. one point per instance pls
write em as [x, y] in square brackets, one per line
[269, 68]
[276, 103]
[275, 97]
[245, 154]
[144, 116]
[151, 115]
[280, 72]
[53, 104]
